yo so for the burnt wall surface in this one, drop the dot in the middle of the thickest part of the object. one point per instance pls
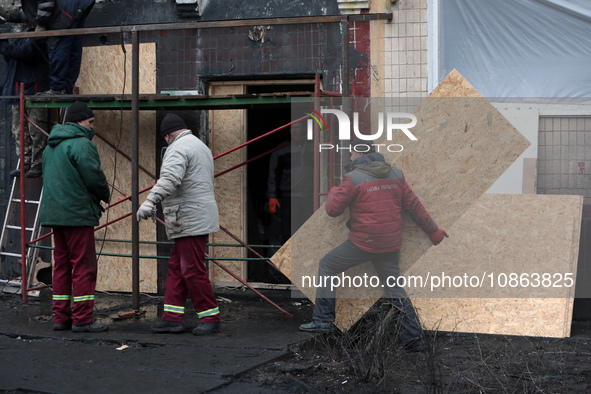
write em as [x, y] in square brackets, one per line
[8, 158]
[220, 10]
[129, 12]
[187, 57]
[187, 60]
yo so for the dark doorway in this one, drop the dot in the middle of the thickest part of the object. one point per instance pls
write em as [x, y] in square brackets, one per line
[263, 228]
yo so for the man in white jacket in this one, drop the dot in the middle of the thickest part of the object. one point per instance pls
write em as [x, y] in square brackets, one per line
[186, 191]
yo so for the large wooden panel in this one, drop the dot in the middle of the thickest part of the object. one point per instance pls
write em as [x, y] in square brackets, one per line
[105, 69]
[103, 73]
[227, 131]
[464, 144]
[508, 266]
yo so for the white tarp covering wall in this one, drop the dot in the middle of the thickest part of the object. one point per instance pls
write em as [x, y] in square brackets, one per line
[518, 48]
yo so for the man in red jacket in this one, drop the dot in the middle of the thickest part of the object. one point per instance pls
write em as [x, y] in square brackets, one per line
[375, 193]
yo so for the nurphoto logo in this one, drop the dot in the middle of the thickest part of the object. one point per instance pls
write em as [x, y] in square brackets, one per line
[392, 120]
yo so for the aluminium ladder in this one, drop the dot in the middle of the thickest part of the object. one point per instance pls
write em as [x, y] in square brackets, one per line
[10, 242]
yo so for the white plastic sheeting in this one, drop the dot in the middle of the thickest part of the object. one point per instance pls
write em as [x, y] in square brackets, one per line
[518, 48]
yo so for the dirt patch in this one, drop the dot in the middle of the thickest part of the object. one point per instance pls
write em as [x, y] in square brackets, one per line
[326, 363]
[453, 363]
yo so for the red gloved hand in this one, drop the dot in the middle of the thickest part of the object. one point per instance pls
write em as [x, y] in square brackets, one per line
[273, 204]
[437, 236]
[334, 188]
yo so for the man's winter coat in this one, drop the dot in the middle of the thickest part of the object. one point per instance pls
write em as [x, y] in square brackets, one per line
[375, 194]
[26, 62]
[186, 188]
[291, 171]
[73, 181]
[56, 14]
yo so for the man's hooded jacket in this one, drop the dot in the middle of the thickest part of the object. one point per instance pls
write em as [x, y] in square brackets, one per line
[73, 181]
[56, 14]
[376, 193]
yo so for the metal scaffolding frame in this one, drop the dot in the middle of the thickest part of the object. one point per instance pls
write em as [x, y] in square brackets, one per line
[136, 102]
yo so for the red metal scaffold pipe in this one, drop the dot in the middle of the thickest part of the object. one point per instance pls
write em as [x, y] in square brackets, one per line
[23, 198]
[316, 143]
[223, 229]
[135, 192]
[259, 137]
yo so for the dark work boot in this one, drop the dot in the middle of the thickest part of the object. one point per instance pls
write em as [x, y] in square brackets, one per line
[168, 326]
[34, 172]
[53, 92]
[62, 326]
[90, 327]
[317, 326]
[17, 172]
[207, 328]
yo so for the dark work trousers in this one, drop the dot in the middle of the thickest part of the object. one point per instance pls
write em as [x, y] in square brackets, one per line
[347, 255]
[285, 212]
[187, 274]
[74, 274]
[35, 140]
[65, 57]
[295, 210]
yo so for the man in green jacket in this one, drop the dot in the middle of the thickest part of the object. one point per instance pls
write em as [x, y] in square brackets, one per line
[73, 186]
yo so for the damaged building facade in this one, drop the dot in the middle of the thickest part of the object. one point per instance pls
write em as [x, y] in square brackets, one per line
[405, 57]
[263, 59]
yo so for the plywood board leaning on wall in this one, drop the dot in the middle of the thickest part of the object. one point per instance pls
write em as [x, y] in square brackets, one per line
[509, 268]
[464, 144]
[227, 132]
[102, 72]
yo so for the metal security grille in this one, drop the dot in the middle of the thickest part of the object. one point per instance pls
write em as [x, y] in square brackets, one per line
[564, 156]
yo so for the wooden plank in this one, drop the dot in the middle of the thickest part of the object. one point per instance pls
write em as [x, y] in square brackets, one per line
[464, 144]
[227, 131]
[102, 73]
[505, 240]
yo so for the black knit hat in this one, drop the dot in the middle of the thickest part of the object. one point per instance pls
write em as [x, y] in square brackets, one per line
[78, 112]
[171, 123]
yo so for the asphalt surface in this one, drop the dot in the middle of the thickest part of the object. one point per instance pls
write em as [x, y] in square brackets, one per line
[130, 358]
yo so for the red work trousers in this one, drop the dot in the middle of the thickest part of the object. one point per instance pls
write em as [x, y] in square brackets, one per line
[187, 274]
[74, 274]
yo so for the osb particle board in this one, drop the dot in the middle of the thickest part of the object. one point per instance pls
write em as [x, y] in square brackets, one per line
[102, 73]
[508, 233]
[115, 272]
[227, 131]
[505, 239]
[542, 317]
[464, 144]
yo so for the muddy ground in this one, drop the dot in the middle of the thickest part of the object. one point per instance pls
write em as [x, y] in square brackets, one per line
[454, 363]
[260, 350]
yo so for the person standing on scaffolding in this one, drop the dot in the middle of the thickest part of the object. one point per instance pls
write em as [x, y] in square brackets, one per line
[27, 62]
[73, 187]
[186, 190]
[65, 53]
